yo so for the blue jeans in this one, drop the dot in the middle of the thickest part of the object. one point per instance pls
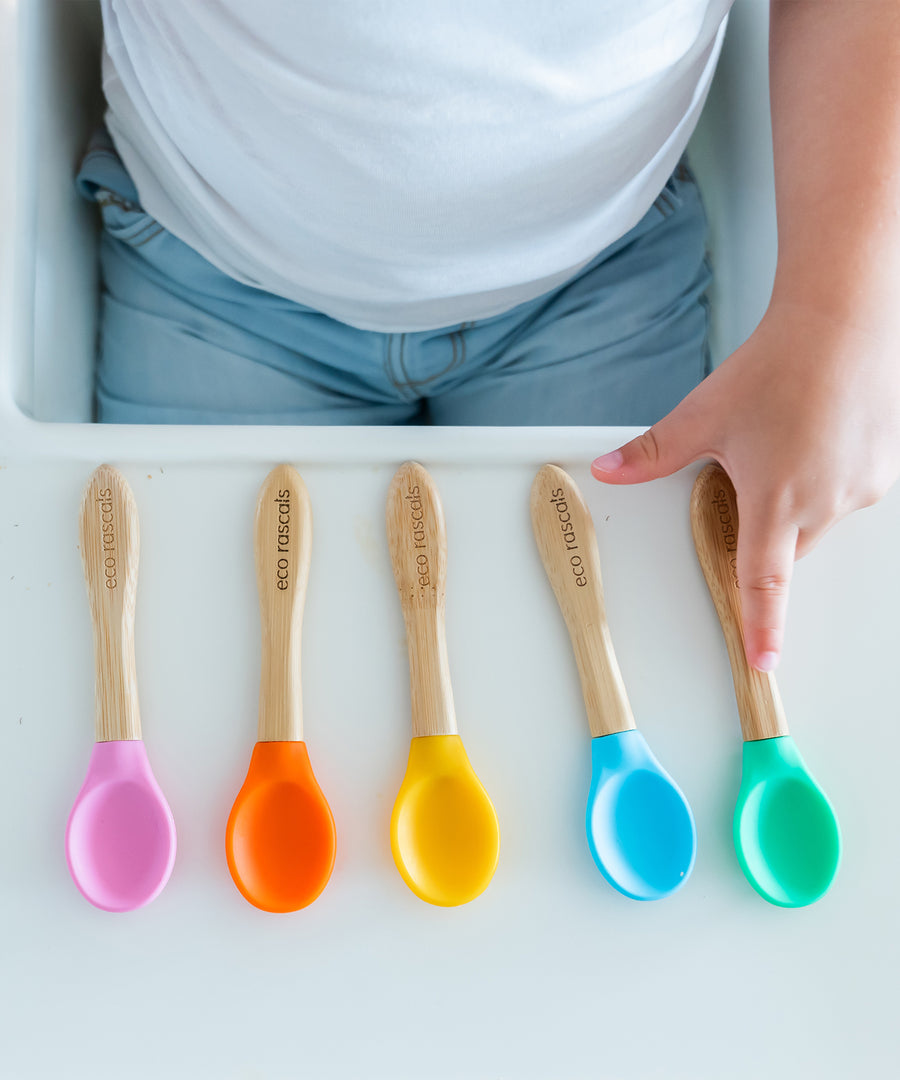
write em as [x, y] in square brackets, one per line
[621, 342]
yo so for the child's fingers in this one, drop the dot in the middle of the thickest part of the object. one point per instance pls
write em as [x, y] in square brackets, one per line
[676, 441]
[766, 551]
[808, 539]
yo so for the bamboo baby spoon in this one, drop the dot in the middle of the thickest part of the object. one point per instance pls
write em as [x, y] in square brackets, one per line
[280, 836]
[120, 837]
[444, 832]
[786, 833]
[640, 828]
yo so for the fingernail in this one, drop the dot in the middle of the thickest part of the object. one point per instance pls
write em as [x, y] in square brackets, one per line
[767, 661]
[609, 462]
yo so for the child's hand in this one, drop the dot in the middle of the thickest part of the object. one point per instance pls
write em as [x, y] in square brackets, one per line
[805, 418]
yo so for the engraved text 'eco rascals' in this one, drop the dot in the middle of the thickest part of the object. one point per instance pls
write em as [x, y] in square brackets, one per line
[729, 536]
[557, 497]
[283, 537]
[108, 536]
[417, 515]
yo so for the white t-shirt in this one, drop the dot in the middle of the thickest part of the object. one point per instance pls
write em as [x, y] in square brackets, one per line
[400, 164]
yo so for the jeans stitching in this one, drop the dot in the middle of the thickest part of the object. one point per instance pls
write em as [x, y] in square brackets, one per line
[145, 233]
[401, 388]
[146, 239]
[462, 342]
[457, 356]
[684, 173]
[388, 345]
[664, 203]
[407, 383]
[140, 236]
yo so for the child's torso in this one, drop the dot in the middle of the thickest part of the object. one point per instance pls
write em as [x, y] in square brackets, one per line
[402, 165]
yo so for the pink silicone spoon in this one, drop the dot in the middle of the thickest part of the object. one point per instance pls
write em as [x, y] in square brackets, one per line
[120, 839]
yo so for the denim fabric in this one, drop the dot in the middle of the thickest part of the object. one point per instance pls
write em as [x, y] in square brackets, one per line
[621, 342]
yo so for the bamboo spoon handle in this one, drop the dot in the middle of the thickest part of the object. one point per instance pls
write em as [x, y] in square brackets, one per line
[568, 545]
[282, 542]
[418, 546]
[110, 545]
[714, 523]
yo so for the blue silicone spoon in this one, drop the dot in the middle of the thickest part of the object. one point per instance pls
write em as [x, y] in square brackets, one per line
[640, 828]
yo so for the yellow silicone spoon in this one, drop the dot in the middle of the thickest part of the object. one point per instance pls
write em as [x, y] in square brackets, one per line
[444, 832]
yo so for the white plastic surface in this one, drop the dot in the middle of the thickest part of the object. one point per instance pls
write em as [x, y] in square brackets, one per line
[550, 973]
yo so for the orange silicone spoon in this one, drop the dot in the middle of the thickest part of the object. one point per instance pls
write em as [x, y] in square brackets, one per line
[280, 838]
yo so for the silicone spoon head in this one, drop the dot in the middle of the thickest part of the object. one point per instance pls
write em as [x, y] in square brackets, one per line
[640, 828]
[444, 831]
[280, 837]
[120, 838]
[786, 833]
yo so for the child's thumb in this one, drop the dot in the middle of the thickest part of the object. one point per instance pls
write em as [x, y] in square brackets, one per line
[662, 450]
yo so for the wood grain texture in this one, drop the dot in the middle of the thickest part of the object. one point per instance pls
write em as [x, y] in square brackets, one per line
[282, 543]
[418, 545]
[110, 546]
[568, 545]
[714, 523]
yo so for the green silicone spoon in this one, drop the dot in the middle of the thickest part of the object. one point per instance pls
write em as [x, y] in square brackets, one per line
[786, 834]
